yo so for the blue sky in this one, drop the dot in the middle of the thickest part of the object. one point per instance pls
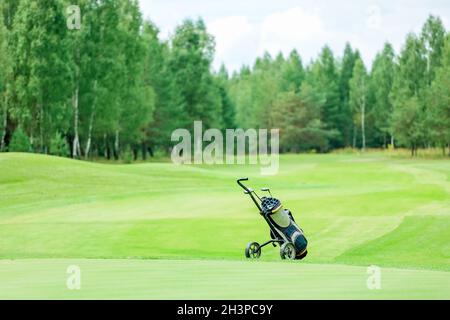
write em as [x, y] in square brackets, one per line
[245, 29]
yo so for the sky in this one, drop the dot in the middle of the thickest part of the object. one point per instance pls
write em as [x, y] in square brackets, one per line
[245, 29]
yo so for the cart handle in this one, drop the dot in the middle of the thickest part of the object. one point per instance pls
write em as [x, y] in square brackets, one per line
[241, 184]
[249, 192]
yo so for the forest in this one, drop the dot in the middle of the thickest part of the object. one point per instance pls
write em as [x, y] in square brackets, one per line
[115, 88]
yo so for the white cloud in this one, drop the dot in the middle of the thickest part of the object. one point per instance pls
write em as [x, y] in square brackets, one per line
[279, 31]
[245, 29]
[230, 33]
[283, 31]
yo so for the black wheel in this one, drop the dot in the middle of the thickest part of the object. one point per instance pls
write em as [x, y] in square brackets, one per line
[287, 251]
[253, 250]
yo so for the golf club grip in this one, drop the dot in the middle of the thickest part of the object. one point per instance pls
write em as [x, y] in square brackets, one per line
[242, 185]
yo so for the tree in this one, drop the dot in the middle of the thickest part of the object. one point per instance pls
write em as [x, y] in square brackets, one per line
[407, 94]
[8, 10]
[101, 85]
[432, 38]
[439, 101]
[190, 62]
[19, 142]
[156, 72]
[264, 85]
[292, 73]
[346, 72]
[78, 42]
[241, 95]
[298, 118]
[136, 97]
[358, 96]
[381, 80]
[228, 107]
[325, 77]
[41, 68]
[5, 73]
[59, 146]
[408, 122]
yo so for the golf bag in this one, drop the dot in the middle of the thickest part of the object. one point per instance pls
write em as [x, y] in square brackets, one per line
[284, 231]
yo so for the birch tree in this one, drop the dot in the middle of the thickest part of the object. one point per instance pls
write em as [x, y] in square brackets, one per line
[5, 71]
[381, 80]
[42, 73]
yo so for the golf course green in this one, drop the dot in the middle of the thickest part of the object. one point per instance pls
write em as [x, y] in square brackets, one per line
[158, 230]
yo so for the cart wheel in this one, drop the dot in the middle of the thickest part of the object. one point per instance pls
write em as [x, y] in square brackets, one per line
[287, 251]
[253, 250]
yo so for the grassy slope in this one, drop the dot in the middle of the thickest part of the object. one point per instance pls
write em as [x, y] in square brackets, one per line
[355, 210]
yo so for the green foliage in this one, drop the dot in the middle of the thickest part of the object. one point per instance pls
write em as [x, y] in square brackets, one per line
[192, 52]
[346, 72]
[407, 94]
[59, 146]
[438, 116]
[359, 87]
[5, 73]
[382, 77]
[298, 117]
[41, 68]
[19, 142]
[408, 122]
[127, 156]
[114, 84]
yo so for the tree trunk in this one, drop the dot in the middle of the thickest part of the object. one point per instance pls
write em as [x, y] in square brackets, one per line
[88, 143]
[41, 127]
[5, 124]
[116, 145]
[392, 142]
[144, 151]
[91, 123]
[354, 137]
[150, 151]
[363, 126]
[76, 152]
[105, 146]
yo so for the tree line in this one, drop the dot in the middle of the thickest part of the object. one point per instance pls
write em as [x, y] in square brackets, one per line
[114, 88]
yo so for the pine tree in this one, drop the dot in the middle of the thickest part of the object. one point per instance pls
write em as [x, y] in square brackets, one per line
[346, 72]
[407, 95]
[292, 73]
[228, 107]
[190, 63]
[358, 97]
[19, 142]
[325, 79]
[167, 110]
[439, 101]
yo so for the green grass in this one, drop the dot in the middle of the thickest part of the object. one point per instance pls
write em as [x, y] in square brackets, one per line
[356, 210]
[212, 279]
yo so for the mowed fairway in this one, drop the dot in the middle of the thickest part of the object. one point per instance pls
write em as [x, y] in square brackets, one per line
[157, 230]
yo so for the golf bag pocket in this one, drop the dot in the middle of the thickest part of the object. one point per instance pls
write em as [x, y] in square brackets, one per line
[297, 237]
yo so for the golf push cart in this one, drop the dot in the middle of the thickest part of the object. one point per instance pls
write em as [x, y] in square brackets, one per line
[283, 229]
